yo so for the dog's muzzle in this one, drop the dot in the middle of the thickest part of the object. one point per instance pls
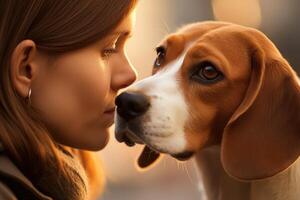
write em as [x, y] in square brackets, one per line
[130, 106]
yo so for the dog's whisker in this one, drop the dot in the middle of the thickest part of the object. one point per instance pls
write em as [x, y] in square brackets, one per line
[187, 172]
[167, 28]
[178, 165]
[165, 163]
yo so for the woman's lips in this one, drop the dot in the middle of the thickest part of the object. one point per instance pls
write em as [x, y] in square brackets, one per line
[110, 110]
[109, 116]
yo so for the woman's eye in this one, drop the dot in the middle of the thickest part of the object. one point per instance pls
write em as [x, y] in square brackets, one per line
[206, 72]
[161, 53]
[111, 49]
[107, 52]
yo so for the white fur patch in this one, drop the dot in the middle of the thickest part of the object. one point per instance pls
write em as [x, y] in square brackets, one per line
[163, 124]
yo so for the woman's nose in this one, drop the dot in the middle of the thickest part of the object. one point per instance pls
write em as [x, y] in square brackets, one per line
[123, 76]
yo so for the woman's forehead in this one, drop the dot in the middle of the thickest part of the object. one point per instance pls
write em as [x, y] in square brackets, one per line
[126, 25]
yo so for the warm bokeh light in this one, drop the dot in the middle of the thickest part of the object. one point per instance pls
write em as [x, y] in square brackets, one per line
[244, 12]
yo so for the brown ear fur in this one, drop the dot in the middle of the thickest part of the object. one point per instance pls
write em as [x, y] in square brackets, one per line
[262, 138]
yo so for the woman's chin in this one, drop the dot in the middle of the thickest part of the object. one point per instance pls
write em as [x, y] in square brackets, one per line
[96, 143]
[99, 143]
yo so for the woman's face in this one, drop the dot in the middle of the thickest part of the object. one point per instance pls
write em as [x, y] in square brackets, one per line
[75, 91]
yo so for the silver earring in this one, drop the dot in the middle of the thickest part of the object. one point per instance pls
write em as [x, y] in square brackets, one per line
[29, 96]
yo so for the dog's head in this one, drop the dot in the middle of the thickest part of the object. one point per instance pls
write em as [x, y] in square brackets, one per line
[216, 83]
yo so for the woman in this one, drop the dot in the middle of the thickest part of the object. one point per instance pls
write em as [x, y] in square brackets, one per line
[62, 64]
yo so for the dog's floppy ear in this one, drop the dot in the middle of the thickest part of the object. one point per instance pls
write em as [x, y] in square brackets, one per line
[262, 137]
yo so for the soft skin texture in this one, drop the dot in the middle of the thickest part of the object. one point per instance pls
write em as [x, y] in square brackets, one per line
[75, 91]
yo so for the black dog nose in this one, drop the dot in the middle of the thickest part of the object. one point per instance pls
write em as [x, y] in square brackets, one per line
[131, 105]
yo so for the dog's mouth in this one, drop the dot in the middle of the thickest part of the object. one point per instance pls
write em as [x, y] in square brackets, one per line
[131, 133]
[149, 154]
[128, 137]
[183, 156]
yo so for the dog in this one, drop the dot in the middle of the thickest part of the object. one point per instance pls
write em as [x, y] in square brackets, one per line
[224, 94]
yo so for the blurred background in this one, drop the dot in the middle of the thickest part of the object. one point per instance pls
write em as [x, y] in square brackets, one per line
[169, 179]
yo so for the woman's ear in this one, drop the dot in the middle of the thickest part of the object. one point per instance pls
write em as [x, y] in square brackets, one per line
[23, 67]
[262, 138]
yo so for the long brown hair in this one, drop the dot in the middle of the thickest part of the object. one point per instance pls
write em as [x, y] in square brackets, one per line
[55, 26]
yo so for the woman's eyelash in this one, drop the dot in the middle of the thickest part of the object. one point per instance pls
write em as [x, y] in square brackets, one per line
[110, 49]
[107, 52]
[113, 48]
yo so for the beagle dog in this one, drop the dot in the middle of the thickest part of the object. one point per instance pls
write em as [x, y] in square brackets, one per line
[223, 93]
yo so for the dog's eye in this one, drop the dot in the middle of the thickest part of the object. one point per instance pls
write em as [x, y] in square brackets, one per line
[161, 53]
[206, 72]
[209, 72]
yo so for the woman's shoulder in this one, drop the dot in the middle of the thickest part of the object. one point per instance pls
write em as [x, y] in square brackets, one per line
[13, 184]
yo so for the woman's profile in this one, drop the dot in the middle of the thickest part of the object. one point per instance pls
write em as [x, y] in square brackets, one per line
[62, 64]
